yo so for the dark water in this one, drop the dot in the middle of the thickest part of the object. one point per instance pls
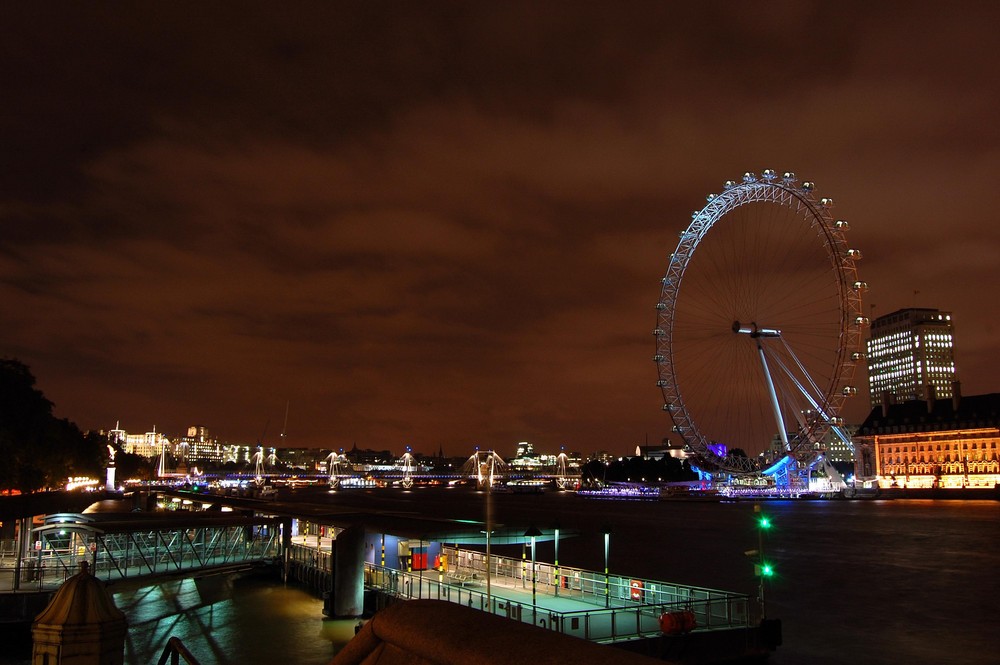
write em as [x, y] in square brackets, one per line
[230, 620]
[872, 582]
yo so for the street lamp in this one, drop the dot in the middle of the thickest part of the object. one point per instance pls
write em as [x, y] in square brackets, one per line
[558, 580]
[489, 554]
[532, 533]
[606, 530]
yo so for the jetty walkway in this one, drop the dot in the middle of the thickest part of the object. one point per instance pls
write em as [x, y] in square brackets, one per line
[582, 603]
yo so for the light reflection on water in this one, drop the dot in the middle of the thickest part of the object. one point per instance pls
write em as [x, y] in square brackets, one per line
[225, 620]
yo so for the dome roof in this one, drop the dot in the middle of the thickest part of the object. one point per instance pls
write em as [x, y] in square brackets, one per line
[81, 600]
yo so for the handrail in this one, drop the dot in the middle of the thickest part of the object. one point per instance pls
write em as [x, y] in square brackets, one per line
[617, 622]
[175, 650]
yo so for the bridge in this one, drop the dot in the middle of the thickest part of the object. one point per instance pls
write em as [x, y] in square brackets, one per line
[131, 546]
[483, 469]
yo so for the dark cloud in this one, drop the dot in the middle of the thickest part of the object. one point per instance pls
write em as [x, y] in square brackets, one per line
[445, 224]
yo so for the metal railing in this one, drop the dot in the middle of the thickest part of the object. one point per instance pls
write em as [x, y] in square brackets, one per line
[629, 615]
[141, 552]
[578, 583]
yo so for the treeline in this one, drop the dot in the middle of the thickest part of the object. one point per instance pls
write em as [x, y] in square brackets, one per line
[638, 470]
[38, 450]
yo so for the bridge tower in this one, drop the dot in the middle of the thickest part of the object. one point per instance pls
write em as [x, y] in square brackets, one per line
[336, 465]
[407, 462]
[258, 465]
[562, 474]
[487, 468]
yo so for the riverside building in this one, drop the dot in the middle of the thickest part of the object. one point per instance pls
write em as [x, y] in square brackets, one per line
[933, 443]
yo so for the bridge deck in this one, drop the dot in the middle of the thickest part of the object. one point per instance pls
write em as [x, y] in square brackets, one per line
[124, 547]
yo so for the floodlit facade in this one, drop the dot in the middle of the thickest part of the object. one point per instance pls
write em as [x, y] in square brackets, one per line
[946, 444]
[911, 356]
[149, 444]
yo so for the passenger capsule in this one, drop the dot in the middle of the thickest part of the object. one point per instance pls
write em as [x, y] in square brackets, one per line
[808, 185]
[862, 321]
[788, 176]
[749, 177]
[769, 174]
[729, 184]
[826, 202]
[858, 355]
[860, 286]
[842, 224]
[661, 305]
[854, 254]
[658, 332]
[710, 198]
[850, 390]
[658, 358]
[661, 384]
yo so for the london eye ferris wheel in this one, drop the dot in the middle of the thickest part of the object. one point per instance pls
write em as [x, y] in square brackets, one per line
[759, 326]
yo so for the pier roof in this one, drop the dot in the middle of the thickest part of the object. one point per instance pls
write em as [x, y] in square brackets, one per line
[411, 633]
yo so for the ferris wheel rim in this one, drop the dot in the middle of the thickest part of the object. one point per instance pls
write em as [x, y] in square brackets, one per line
[785, 191]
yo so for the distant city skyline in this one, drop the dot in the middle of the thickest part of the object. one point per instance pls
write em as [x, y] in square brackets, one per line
[446, 226]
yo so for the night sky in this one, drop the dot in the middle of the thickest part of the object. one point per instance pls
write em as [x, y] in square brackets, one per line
[444, 224]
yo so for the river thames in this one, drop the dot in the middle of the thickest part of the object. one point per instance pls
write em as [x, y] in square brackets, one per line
[875, 582]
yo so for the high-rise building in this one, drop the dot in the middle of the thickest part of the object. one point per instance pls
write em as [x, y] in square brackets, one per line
[911, 356]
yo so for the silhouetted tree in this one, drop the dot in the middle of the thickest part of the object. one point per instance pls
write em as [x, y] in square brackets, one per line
[131, 466]
[37, 450]
[639, 469]
[592, 472]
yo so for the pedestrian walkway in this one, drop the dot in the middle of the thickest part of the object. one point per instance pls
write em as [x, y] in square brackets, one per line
[130, 546]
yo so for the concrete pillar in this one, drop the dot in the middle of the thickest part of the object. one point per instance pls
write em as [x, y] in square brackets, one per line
[349, 573]
[286, 547]
[23, 549]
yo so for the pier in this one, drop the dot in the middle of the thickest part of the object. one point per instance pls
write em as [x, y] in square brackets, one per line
[591, 605]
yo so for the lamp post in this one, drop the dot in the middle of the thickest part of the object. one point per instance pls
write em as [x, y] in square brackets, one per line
[489, 558]
[532, 533]
[607, 578]
[558, 580]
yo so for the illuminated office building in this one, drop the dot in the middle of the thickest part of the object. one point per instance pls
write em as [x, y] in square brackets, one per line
[910, 356]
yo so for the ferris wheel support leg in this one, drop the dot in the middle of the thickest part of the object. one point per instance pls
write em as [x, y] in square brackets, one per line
[774, 398]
